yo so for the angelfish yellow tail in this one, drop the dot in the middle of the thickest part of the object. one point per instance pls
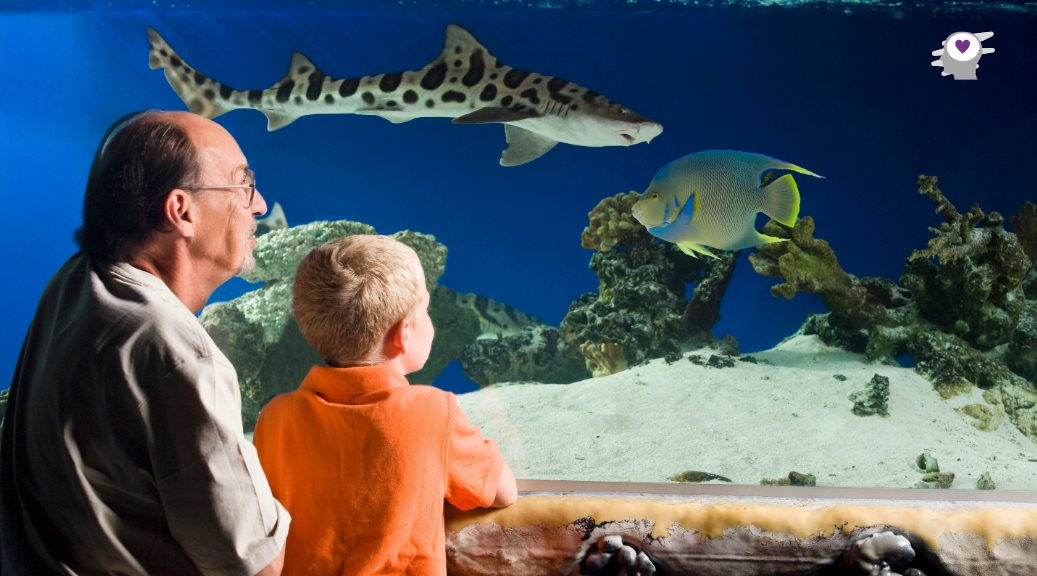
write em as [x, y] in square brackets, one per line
[781, 200]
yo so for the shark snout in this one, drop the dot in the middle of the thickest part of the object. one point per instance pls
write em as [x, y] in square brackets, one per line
[641, 132]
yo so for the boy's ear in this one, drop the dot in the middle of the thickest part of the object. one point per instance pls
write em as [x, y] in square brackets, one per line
[177, 209]
[397, 339]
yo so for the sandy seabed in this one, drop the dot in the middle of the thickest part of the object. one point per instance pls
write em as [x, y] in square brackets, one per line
[787, 412]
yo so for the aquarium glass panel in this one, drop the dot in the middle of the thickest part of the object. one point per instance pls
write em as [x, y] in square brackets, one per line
[669, 242]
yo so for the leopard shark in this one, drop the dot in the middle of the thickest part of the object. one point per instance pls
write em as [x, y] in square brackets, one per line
[465, 82]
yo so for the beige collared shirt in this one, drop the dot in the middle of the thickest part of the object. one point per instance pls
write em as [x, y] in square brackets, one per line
[123, 450]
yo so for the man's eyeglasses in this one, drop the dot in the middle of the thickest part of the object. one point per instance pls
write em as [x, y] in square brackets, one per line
[250, 193]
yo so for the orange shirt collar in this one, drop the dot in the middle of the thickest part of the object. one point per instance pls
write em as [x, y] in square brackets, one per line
[328, 381]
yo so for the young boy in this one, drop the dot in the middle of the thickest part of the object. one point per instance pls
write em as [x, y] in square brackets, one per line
[361, 459]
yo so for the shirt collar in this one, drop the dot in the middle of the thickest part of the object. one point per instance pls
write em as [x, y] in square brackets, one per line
[358, 380]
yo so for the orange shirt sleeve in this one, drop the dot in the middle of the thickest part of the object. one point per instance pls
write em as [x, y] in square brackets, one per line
[473, 464]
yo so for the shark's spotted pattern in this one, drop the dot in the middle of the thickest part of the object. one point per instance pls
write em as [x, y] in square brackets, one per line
[465, 82]
[495, 318]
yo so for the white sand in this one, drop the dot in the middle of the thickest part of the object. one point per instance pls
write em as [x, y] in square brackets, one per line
[749, 422]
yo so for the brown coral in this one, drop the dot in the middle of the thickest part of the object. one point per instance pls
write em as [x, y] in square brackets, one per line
[611, 223]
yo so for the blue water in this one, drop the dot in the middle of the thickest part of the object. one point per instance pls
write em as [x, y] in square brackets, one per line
[847, 93]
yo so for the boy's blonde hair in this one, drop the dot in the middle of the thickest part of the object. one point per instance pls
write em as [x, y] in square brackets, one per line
[349, 292]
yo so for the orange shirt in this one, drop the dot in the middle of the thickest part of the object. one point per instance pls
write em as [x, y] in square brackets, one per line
[363, 461]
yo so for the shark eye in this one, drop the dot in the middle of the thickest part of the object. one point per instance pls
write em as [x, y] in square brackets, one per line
[622, 110]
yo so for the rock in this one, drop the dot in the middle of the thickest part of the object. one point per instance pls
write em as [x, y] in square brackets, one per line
[926, 462]
[985, 482]
[536, 353]
[874, 399]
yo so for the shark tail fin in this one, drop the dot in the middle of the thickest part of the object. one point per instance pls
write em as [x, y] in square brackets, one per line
[781, 200]
[201, 94]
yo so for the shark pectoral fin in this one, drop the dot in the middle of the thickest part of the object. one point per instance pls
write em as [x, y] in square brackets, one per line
[690, 248]
[495, 115]
[781, 200]
[524, 146]
[275, 120]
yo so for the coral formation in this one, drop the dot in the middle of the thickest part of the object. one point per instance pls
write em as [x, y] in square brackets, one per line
[964, 307]
[537, 353]
[641, 311]
[611, 224]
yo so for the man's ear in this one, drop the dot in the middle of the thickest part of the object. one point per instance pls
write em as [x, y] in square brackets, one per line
[178, 208]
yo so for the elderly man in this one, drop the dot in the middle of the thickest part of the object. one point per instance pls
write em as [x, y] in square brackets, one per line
[123, 450]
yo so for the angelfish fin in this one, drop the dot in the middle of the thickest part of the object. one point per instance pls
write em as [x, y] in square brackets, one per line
[781, 200]
[765, 239]
[524, 146]
[774, 163]
[690, 248]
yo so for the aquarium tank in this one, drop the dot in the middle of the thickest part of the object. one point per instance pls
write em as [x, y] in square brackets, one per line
[669, 241]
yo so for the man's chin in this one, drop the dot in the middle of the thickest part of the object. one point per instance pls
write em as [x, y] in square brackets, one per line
[248, 266]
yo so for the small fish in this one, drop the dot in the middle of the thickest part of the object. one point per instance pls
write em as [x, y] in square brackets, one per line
[274, 220]
[464, 82]
[711, 198]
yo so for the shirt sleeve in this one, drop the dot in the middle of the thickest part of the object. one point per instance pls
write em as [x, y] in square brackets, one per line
[473, 463]
[217, 501]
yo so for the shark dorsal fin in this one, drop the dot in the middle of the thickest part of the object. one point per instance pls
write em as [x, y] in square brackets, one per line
[301, 66]
[459, 43]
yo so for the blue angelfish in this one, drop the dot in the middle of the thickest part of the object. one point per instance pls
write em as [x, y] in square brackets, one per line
[711, 199]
